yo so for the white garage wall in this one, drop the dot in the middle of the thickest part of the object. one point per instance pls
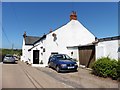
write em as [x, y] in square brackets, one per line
[107, 48]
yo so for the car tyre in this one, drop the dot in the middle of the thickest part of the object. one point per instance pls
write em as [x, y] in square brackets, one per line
[58, 69]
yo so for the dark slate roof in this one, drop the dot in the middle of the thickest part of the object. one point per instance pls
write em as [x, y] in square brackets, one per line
[29, 40]
[41, 38]
[109, 38]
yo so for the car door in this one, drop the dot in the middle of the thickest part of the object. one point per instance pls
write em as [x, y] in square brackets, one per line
[52, 61]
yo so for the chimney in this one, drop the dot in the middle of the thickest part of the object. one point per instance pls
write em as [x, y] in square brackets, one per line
[73, 16]
[50, 31]
[24, 35]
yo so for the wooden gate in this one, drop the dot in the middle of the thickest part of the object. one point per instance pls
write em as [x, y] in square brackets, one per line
[87, 55]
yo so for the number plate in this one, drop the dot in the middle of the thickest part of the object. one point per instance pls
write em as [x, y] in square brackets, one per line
[70, 67]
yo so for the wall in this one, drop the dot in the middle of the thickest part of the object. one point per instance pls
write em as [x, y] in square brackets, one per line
[71, 34]
[25, 54]
[107, 48]
[74, 53]
[38, 46]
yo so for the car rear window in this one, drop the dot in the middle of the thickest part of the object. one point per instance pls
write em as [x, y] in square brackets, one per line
[9, 56]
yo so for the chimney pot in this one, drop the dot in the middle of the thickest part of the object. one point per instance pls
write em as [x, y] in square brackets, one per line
[73, 16]
[24, 35]
[50, 31]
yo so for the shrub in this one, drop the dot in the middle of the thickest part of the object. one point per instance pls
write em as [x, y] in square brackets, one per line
[105, 67]
[118, 69]
[113, 73]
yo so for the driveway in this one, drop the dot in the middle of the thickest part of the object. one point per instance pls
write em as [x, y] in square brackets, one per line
[81, 79]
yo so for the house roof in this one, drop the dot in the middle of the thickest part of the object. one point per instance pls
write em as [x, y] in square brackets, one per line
[29, 40]
[32, 47]
[109, 38]
[44, 36]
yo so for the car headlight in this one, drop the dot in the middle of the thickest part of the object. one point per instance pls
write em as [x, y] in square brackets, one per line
[63, 65]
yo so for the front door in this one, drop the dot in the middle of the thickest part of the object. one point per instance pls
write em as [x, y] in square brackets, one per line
[35, 56]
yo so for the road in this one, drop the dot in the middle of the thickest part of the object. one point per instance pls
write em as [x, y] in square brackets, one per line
[21, 75]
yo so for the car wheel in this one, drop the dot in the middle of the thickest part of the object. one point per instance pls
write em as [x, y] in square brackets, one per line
[58, 69]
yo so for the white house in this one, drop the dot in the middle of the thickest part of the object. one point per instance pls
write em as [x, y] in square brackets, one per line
[62, 40]
[28, 42]
[72, 39]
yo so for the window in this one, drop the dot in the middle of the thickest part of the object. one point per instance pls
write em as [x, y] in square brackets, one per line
[43, 49]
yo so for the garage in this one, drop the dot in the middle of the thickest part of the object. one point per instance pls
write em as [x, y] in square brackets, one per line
[86, 55]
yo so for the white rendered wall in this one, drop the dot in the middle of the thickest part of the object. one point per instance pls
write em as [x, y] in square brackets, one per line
[107, 48]
[41, 54]
[25, 54]
[71, 34]
[75, 54]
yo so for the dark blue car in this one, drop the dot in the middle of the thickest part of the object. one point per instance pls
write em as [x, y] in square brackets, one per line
[62, 62]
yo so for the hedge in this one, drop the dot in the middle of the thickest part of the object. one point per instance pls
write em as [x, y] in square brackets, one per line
[106, 67]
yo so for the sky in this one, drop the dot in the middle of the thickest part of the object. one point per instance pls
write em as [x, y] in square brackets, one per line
[37, 18]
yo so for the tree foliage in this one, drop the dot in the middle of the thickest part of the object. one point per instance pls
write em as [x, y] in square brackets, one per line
[3, 52]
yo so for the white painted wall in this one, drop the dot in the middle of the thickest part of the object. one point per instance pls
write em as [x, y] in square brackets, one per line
[25, 54]
[41, 54]
[71, 34]
[107, 48]
[75, 54]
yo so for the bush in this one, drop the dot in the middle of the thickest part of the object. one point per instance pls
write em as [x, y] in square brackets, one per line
[114, 65]
[105, 67]
[118, 69]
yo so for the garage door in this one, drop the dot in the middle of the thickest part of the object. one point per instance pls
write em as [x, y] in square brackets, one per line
[87, 55]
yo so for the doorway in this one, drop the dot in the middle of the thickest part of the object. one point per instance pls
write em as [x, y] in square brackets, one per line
[35, 56]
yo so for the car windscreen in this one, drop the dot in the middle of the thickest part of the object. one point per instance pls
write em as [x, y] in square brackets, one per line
[63, 57]
[9, 56]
